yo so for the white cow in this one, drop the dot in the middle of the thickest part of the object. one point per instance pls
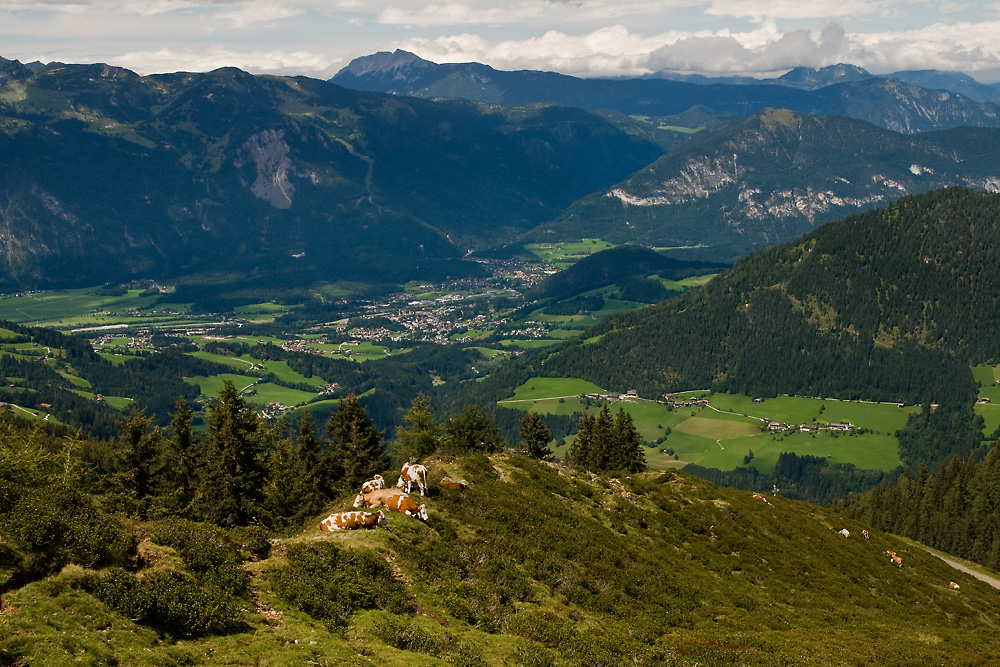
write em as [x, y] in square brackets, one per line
[845, 532]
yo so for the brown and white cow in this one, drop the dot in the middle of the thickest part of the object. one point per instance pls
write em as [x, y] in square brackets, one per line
[374, 484]
[454, 484]
[352, 520]
[392, 500]
[953, 585]
[413, 473]
[375, 498]
[897, 561]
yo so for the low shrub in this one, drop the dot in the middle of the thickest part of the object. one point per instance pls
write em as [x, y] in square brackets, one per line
[329, 583]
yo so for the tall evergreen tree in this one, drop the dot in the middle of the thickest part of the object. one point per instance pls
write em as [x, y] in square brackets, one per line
[535, 436]
[179, 477]
[231, 492]
[605, 443]
[355, 444]
[137, 458]
[421, 435]
[312, 497]
[472, 430]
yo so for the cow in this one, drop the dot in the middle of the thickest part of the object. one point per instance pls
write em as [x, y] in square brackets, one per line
[393, 500]
[454, 484]
[375, 498]
[897, 561]
[953, 585]
[352, 520]
[845, 532]
[413, 473]
[865, 533]
[374, 484]
[890, 554]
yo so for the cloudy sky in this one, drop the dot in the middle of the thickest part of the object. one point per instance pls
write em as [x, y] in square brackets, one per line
[579, 37]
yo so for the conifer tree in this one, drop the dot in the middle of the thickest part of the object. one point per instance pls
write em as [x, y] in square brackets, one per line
[535, 436]
[421, 435]
[355, 445]
[231, 492]
[179, 476]
[137, 459]
[472, 430]
[312, 497]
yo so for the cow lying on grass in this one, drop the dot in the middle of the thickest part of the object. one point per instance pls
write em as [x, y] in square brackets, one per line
[352, 520]
[454, 484]
[393, 500]
[374, 484]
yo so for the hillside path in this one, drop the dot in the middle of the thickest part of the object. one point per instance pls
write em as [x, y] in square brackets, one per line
[992, 581]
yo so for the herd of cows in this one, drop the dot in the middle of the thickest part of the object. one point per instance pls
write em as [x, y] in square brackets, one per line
[374, 494]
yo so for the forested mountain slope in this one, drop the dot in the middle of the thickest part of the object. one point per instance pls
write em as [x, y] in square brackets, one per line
[773, 177]
[874, 306]
[109, 175]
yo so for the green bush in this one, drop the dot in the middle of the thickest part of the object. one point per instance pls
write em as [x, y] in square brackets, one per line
[328, 583]
[172, 601]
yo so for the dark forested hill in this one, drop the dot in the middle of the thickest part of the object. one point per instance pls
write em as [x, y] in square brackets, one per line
[875, 306]
[888, 103]
[772, 177]
[109, 175]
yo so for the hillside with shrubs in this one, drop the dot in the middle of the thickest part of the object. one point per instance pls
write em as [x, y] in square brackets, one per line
[213, 555]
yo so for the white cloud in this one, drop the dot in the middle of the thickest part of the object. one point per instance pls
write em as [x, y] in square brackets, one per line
[458, 13]
[762, 10]
[258, 12]
[203, 60]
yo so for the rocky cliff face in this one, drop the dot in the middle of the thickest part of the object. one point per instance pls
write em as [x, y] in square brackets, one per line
[775, 176]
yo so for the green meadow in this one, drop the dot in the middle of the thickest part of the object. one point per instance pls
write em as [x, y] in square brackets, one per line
[721, 435]
[567, 254]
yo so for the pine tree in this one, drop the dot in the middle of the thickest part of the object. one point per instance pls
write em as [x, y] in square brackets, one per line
[137, 459]
[312, 495]
[179, 477]
[627, 455]
[421, 435]
[535, 436]
[355, 444]
[231, 492]
[472, 430]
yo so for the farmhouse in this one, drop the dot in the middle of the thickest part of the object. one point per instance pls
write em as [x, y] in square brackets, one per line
[840, 426]
[808, 428]
[777, 426]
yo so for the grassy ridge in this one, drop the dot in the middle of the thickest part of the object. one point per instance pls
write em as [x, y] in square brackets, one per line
[672, 570]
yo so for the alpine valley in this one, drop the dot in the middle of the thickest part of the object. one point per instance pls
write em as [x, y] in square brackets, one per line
[697, 371]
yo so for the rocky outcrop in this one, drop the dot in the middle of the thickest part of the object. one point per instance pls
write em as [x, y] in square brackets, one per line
[268, 152]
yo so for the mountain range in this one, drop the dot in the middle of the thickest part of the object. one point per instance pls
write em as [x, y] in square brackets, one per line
[890, 103]
[109, 175]
[772, 177]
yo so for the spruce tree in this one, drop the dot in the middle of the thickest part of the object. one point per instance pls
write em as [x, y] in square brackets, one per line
[355, 444]
[307, 450]
[472, 430]
[137, 459]
[179, 477]
[421, 435]
[231, 492]
[535, 436]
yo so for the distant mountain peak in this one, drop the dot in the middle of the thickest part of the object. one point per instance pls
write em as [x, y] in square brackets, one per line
[12, 69]
[811, 78]
[385, 62]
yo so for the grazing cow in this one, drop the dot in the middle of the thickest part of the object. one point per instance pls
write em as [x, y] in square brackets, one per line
[890, 554]
[352, 520]
[865, 533]
[897, 561]
[953, 585]
[374, 484]
[845, 532]
[455, 484]
[375, 498]
[413, 473]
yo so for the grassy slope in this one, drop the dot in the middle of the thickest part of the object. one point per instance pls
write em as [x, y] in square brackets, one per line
[537, 566]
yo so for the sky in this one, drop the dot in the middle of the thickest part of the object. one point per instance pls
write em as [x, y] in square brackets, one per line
[578, 37]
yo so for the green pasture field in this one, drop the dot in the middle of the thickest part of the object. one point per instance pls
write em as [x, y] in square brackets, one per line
[686, 283]
[268, 308]
[286, 374]
[212, 386]
[118, 402]
[316, 407]
[716, 439]
[79, 305]
[365, 350]
[682, 129]
[489, 352]
[118, 341]
[118, 358]
[268, 392]
[564, 255]
[884, 418]
[7, 334]
[241, 363]
[529, 344]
